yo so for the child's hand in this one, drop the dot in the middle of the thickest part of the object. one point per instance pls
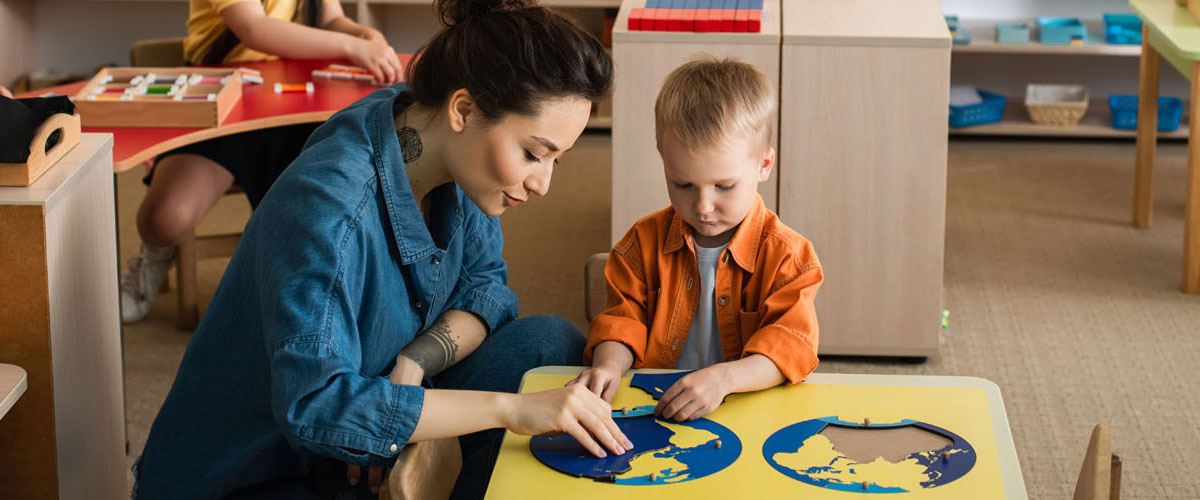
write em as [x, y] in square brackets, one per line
[695, 395]
[379, 58]
[602, 380]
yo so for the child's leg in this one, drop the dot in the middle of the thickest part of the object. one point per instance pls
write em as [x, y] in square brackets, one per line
[184, 188]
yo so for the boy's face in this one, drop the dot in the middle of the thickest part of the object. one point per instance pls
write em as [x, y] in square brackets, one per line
[713, 189]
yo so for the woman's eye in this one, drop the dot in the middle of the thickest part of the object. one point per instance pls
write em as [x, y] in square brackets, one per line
[529, 156]
[683, 185]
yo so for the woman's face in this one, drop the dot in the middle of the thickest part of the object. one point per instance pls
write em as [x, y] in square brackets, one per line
[499, 165]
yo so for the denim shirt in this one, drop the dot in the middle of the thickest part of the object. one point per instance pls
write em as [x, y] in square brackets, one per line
[336, 271]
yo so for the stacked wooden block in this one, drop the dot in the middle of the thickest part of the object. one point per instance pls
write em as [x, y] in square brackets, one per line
[698, 16]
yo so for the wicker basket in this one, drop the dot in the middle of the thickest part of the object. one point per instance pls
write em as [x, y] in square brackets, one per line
[1056, 104]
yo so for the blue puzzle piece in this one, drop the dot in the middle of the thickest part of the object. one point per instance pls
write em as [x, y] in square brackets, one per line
[656, 384]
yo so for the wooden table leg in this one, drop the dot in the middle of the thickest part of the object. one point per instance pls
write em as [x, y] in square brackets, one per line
[1143, 177]
[1191, 223]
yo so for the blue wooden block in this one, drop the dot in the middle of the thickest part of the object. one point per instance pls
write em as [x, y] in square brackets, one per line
[1060, 30]
[1012, 33]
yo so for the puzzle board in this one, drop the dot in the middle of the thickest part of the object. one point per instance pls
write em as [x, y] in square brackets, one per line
[769, 424]
[159, 97]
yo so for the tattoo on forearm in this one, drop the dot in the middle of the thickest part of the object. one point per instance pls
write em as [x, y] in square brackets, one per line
[434, 350]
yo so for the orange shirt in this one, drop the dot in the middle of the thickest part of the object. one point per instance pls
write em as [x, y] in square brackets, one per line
[766, 281]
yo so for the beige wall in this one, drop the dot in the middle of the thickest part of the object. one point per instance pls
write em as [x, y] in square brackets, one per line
[17, 51]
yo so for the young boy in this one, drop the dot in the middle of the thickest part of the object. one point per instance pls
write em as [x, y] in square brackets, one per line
[716, 282]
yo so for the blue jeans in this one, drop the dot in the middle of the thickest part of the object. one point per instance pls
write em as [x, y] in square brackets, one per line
[497, 365]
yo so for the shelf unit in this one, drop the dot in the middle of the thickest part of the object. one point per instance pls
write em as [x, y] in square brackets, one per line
[1095, 124]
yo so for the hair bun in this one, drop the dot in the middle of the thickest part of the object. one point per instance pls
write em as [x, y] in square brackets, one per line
[455, 12]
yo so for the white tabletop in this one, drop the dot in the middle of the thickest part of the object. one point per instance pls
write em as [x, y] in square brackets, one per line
[13, 382]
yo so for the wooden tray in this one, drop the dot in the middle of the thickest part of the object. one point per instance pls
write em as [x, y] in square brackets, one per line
[40, 160]
[162, 110]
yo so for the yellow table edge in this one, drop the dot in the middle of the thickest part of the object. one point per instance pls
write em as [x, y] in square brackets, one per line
[1010, 467]
[1176, 33]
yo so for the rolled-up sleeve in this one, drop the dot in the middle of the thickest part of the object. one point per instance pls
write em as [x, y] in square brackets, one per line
[788, 333]
[320, 400]
[625, 317]
[482, 287]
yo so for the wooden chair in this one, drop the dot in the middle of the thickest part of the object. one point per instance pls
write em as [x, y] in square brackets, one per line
[168, 52]
[424, 471]
[1100, 476]
[595, 289]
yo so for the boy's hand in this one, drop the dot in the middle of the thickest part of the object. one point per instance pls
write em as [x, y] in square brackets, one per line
[695, 395]
[602, 380]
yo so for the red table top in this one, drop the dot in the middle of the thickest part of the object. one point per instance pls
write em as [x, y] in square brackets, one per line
[260, 107]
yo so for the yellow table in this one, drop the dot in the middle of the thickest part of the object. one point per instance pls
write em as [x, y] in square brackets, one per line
[969, 407]
[13, 382]
[1168, 32]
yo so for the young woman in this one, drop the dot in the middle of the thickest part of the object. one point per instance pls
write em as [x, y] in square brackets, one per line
[187, 182]
[373, 267]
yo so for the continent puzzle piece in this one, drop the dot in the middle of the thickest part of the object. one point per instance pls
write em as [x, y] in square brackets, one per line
[656, 383]
[664, 452]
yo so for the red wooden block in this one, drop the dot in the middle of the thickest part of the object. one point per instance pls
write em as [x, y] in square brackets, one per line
[675, 19]
[661, 20]
[635, 18]
[700, 24]
[740, 20]
[689, 20]
[727, 16]
[754, 23]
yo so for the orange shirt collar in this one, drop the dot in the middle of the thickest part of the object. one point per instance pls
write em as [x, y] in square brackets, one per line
[744, 245]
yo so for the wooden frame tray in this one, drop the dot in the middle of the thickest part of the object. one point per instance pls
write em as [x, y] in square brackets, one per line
[40, 159]
[159, 97]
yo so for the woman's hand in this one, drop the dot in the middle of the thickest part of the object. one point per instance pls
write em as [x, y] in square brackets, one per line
[572, 410]
[695, 395]
[378, 58]
[603, 381]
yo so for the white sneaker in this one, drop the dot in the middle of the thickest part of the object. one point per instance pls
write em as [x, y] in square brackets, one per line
[139, 285]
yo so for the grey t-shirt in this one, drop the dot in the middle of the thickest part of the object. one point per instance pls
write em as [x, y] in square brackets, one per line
[703, 347]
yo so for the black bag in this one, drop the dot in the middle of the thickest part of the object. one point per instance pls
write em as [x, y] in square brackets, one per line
[19, 122]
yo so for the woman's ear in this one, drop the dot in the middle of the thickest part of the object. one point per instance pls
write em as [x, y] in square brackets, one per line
[459, 107]
[768, 163]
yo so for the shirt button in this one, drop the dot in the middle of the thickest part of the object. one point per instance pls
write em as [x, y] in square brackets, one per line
[726, 257]
[393, 448]
[689, 285]
[436, 261]
[419, 304]
[723, 300]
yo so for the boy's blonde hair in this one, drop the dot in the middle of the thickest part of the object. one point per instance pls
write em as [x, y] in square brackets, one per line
[708, 102]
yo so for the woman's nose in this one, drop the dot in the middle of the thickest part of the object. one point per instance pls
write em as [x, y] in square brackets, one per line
[539, 182]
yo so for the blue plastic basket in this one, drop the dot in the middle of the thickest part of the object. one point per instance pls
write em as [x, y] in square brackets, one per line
[1122, 29]
[1060, 30]
[989, 111]
[1124, 110]
[1012, 33]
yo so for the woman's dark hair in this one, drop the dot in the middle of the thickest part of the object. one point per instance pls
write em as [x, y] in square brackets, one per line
[511, 55]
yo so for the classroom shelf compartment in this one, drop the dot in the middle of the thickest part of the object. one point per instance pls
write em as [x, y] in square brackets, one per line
[984, 40]
[1097, 124]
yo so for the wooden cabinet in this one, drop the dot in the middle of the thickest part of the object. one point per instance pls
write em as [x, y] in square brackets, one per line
[59, 320]
[643, 60]
[862, 172]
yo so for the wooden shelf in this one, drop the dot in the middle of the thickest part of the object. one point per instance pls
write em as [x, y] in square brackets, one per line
[983, 40]
[1096, 123]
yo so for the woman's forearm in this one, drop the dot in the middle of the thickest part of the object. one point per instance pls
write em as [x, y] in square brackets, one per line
[449, 413]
